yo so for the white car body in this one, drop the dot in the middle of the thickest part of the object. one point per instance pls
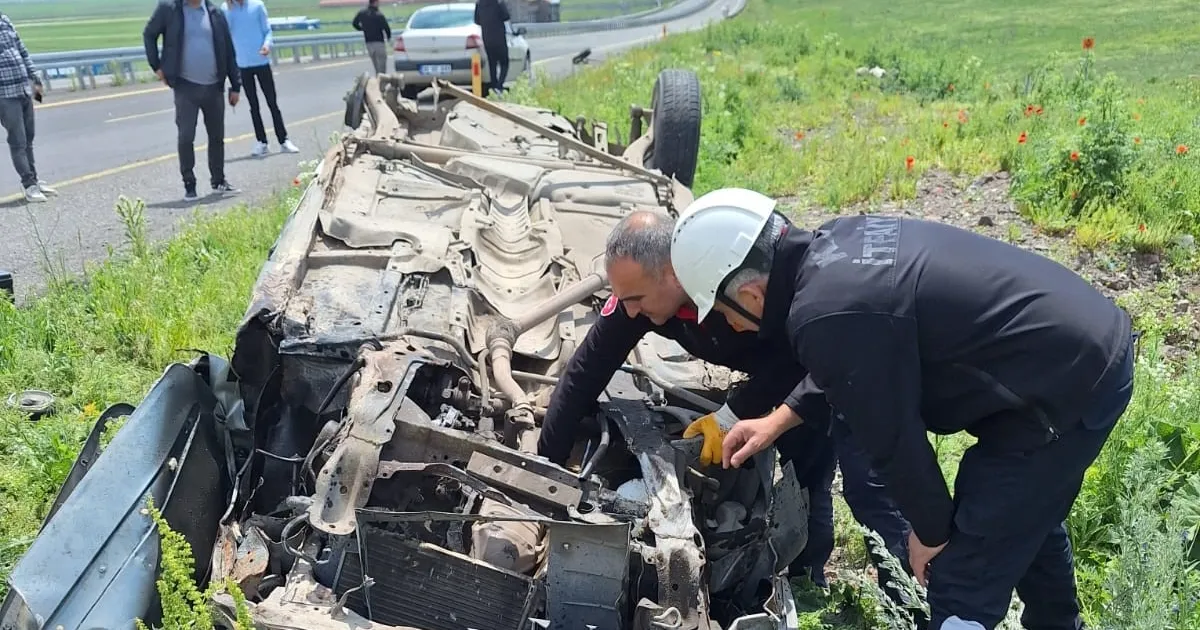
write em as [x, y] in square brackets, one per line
[439, 40]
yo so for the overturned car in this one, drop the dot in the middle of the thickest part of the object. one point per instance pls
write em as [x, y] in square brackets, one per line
[366, 458]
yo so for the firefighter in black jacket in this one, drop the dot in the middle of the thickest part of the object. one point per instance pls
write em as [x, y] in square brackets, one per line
[908, 326]
[646, 298]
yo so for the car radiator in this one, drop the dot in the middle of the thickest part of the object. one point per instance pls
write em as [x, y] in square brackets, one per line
[425, 586]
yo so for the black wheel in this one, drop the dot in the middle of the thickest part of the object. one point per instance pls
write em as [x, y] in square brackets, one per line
[411, 92]
[675, 146]
[356, 101]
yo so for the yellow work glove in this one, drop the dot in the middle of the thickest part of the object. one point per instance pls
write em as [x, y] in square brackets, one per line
[713, 427]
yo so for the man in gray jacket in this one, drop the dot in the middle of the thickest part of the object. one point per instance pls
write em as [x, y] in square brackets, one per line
[197, 58]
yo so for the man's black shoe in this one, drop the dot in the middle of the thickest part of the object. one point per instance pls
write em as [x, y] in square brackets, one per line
[226, 188]
[189, 194]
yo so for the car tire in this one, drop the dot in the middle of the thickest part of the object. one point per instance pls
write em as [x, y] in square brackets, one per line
[356, 100]
[675, 145]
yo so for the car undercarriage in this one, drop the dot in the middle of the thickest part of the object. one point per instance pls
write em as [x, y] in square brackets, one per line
[366, 458]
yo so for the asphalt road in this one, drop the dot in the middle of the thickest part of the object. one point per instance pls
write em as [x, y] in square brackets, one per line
[121, 141]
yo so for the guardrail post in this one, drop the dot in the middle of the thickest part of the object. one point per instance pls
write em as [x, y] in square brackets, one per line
[296, 54]
[316, 52]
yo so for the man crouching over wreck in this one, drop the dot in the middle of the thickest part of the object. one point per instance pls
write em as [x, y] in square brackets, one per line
[648, 298]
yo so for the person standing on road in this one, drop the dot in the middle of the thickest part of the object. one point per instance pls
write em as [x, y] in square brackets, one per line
[647, 298]
[376, 33]
[910, 326]
[491, 15]
[251, 30]
[19, 85]
[197, 57]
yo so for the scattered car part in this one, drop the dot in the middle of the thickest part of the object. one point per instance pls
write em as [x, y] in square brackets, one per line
[33, 402]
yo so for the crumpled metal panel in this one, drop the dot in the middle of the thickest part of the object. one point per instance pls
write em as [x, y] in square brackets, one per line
[587, 575]
[94, 564]
[345, 481]
[678, 552]
[469, 127]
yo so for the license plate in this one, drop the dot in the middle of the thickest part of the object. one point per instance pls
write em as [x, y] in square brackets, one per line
[441, 68]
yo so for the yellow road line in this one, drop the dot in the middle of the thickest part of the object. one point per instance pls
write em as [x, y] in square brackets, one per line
[322, 66]
[102, 97]
[142, 115]
[159, 159]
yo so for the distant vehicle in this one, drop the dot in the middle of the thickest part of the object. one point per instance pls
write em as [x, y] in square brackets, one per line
[438, 41]
[294, 23]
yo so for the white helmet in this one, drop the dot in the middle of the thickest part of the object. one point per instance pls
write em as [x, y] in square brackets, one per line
[713, 237]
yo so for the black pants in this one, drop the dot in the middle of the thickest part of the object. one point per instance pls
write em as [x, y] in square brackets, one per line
[497, 55]
[871, 506]
[817, 477]
[16, 115]
[190, 100]
[1009, 529]
[251, 78]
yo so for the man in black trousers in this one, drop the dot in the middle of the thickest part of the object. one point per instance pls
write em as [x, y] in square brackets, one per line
[491, 15]
[376, 33]
[197, 57]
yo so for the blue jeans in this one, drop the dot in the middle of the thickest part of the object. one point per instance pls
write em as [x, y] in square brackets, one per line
[1009, 524]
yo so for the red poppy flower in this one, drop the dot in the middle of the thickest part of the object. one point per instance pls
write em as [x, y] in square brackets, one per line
[1022, 138]
[1074, 156]
[1141, 227]
[945, 123]
[1028, 111]
[799, 135]
[1137, 140]
[962, 116]
[908, 163]
[1089, 43]
[1038, 111]
[1082, 120]
[1181, 149]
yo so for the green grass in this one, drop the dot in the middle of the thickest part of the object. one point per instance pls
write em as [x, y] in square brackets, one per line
[84, 24]
[106, 338]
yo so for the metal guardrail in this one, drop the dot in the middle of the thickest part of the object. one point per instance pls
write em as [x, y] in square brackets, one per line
[86, 65]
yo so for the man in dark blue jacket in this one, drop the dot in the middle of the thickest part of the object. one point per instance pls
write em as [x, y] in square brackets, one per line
[197, 58]
[908, 327]
[646, 298]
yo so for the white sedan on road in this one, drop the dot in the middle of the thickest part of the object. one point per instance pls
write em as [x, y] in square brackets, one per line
[438, 42]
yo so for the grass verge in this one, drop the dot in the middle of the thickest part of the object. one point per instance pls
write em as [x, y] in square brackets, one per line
[105, 338]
